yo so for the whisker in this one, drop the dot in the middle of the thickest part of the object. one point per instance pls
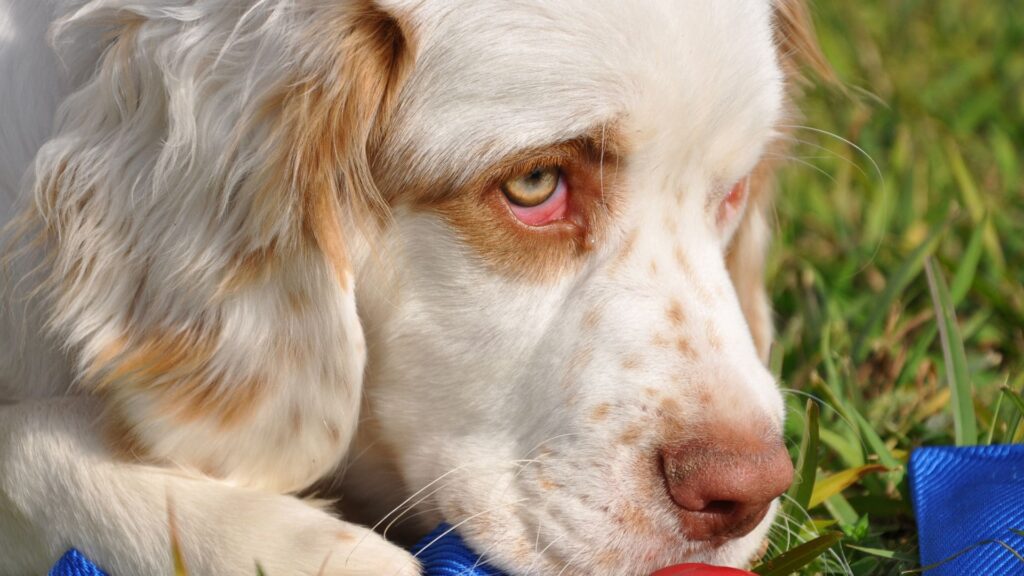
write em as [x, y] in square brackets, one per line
[803, 162]
[456, 526]
[571, 561]
[875, 167]
[829, 153]
[839, 413]
[540, 554]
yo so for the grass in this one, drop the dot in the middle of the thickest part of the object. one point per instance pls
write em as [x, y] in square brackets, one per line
[898, 270]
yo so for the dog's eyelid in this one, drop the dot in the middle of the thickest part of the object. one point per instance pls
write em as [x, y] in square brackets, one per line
[560, 154]
[723, 188]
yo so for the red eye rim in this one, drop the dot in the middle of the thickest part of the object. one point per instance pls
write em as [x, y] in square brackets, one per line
[554, 209]
[733, 202]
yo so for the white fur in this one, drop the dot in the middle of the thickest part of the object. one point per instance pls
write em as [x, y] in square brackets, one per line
[470, 383]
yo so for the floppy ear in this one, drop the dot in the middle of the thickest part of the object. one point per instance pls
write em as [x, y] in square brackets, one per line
[798, 51]
[200, 201]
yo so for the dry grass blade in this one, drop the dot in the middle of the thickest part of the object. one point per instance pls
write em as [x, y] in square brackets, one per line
[836, 483]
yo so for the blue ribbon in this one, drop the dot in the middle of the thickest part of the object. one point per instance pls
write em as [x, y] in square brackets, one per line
[73, 563]
[969, 500]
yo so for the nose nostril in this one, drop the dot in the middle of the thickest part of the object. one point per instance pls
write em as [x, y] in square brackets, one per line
[722, 507]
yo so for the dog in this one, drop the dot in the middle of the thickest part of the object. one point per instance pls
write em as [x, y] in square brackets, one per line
[493, 263]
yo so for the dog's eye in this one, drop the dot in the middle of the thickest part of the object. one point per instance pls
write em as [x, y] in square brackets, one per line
[533, 188]
[538, 197]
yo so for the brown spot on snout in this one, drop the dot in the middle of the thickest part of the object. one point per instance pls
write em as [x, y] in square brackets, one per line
[625, 251]
[591, 319]
[549, 485]
[631, 361]
[674, 313]
[685, 348]
[670, 407]
[600, 412]
[714, 340]
[631, 435]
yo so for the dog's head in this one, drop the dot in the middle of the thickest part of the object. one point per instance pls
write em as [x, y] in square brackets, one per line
[550, 216]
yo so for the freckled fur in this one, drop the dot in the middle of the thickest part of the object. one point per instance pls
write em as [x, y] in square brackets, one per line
[207, 188]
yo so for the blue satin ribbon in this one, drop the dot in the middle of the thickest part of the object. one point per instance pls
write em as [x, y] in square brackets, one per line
[967, 500]
[444, 553]
[73, 563]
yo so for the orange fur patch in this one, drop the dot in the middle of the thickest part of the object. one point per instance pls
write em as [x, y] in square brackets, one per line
[480, 214]
[631, 435]
[178, 370]
[675, 313]
[685, 348]
[631, 361]
[600, 412]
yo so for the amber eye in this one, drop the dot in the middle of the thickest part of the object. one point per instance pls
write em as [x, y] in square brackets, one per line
[533, 188]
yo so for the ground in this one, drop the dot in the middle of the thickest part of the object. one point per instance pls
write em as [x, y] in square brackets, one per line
[914, 171]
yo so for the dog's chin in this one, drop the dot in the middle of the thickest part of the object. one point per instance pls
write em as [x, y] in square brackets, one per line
[522, 540]
[591, 559]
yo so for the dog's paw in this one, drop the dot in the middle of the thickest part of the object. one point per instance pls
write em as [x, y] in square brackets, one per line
[236, 530]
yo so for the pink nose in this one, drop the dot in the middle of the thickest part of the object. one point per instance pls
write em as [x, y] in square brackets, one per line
[724, 484]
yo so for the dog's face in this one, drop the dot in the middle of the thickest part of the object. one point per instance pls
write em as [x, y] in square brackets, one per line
[557, 349]
[561, 313]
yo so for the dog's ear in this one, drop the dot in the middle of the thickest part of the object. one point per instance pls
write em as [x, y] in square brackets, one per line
[797, 43]
[200, 201]
[798, 53]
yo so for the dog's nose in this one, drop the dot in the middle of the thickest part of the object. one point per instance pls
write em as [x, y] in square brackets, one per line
[724, 484]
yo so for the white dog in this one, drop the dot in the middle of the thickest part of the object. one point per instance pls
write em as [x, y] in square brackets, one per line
[497, 263]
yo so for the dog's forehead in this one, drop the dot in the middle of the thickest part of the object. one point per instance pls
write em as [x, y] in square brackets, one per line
[690, 78]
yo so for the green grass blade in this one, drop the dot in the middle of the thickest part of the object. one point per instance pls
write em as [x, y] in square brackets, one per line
[882, 553]
[792, 560]
[1018, 403]
[1015, 398]
[968, 269]
[957, 375]
[807, 461]
[848, 449]
[975, 204]
[995, 420]
[879, 448]
[841, 509]
[895, 286]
